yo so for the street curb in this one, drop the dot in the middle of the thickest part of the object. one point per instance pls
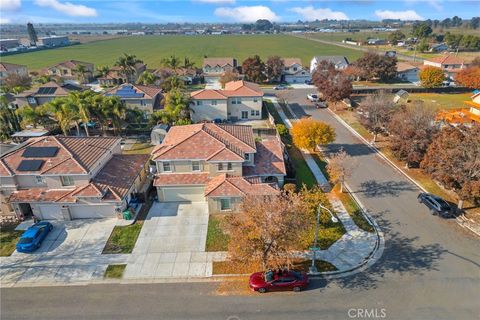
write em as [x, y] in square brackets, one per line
[381, 155]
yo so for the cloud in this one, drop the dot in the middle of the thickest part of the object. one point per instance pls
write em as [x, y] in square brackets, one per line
[5, 20]
[402, 15]
[247, 14]
[10, 5]
[437, 4]
[310, 13]
[216, 1]
[68, 8]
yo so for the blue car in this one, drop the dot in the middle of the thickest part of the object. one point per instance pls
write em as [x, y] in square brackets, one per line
[32, 238]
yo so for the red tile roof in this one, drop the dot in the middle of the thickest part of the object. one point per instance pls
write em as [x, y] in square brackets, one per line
[41, 195]
[403, 66]
[224, 186]
[171, 179]
[72, 64]
[238, 88]
[447, 59]
[221, 62]
[6, 67]
[288, 62]
[268, 159]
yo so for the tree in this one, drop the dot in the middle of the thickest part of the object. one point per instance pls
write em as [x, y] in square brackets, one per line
[267, 231]
[172, 62]
[475, 62]
[114, 109]
[274, 68]
[469, 77]
[421, 30]
[263, 25]
[376, 112]
[187, 63]
[31, 116]
[127, 63]
[16, 83]
[309, 133]
[9, 122]
[175, 111]
[228, 76]
[423, 45]
[81, 71]
[396, 36]
[254, 69]
[453, 159]
[147, 78]
[62, 112]
[411, 132]
[431, 77]
[102, 71]
[333, 84]
[340, 167]
[376, 67]
[172, 83]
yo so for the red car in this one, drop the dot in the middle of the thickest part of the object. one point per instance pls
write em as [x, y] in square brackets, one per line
[278, 281]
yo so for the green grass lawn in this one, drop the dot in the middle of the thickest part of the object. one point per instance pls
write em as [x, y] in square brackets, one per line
[123, 239]
[8, 239]
[151, 49]
[115, 271]
[217, 240]
[440, 101]
[354, 210]
[140, 148]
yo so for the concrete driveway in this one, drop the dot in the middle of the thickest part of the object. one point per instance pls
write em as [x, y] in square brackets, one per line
[172, 243]
[71, 251]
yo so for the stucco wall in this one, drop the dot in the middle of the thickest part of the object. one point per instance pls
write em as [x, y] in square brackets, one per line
[214, 205]
[247, 104]
[207, 111]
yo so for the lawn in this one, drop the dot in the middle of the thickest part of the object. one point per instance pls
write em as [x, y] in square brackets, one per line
[140, 148]
[115, 271]
[151, 49]
[439, 101]
[353, 210]
[8, 239]
[217, 240]
[123, 239]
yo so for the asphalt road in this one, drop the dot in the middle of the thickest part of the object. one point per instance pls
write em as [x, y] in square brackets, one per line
[430, 268]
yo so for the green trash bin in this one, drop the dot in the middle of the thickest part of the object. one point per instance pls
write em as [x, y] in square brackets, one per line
[127, 215]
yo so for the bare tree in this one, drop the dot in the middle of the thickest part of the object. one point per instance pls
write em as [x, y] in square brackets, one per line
[340, 167]
[376, 113]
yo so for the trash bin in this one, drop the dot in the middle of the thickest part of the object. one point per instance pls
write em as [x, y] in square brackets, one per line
[127, 215]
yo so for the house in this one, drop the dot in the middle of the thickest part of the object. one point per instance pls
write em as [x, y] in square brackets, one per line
[116, 75]
[407, 72]
[468, 115]
[54, 41]
[187, 75]
[214, 68]
[294, 72]
[340, 62]
[65, 178]
[239, 100]
[68, 70]
[7, 69]
[144, 98]
[44, 93]
[449, 63]
[439, 47]
[217, 163]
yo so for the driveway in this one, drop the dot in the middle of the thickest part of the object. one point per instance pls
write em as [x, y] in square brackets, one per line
[172, 242]
[71, 251]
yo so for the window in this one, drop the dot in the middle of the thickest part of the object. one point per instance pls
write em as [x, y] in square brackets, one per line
[214, 102]
[244, 114]
[257, 112]
[195, 165]
[255, 99]
[143, 103]
[236, 101]
[39, 180]
[224, 166]
[295, 68]
[252, 113]
[67, 181]
[225, 204]
[167, 167]
[198, 102]
[229, 166]
[247, 156]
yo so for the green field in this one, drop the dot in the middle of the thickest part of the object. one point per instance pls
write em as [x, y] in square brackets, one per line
[151, 49]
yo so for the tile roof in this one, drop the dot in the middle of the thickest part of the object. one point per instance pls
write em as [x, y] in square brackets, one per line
[333, 59]
[222, 62]
[76, 155]
[225, 186]
[268, 159]
[72, 64]
[6, 67]
[182, 142]
[288, 62]
[60, 90]
[403, 66]
[447, 59]
[238, 88]
[171, 179]
[42, 195]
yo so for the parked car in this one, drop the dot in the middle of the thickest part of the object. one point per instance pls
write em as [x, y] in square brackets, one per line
[278, 281]
[310, 82]
[313, 97]
[320, 104]
[32, 238]
[281, 87]
[437, 205]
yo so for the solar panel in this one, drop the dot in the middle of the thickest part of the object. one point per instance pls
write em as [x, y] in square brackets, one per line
[40, 152]
[30, 165]
[46, 90]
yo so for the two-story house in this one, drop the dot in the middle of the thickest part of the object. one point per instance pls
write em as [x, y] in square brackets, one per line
[68, 70]
[64, 178]
[7, 69]
[450, 64]
[294, 72]
[340, 62]
[239, 100]
[116, 75]
[45, 93]
[217, 163]
[214, 68]
[144, 98]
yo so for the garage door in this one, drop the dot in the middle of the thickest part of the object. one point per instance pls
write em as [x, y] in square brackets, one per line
[192, 194]
[51, 212]
[89, 212]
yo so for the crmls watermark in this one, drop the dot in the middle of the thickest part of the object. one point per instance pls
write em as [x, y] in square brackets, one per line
[362, 313]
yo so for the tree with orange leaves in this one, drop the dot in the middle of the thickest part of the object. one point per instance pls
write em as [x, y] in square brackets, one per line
[469, 77]
[431, 77]
[309, 133]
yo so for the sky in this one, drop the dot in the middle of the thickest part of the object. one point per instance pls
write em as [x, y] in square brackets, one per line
[233, 11]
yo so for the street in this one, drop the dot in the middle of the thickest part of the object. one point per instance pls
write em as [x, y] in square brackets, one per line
[430, 268]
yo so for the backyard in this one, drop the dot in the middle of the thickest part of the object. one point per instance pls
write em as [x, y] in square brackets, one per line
[151, 49]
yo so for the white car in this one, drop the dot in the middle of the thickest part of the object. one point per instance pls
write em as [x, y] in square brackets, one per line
[313, 97]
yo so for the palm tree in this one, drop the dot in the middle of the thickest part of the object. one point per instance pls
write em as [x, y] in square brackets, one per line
[127, 64]
[147, 78]
[172, 83]
[176, 105]
[83, 102]
[60, 110]
[103, 71]
[187, 63]
[115, 110]
[172, 62]
[81, 71]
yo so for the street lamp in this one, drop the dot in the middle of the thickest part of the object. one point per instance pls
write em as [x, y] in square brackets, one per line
[312, 268]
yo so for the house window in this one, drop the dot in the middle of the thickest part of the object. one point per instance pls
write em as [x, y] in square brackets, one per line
[67, 181]
[167, 167]
[225, 204]
[143, 103]
[257, 112]
[195, 165]
[236, 101]
[247, 156]
[255, 100]
[214, 102]
[252, 113]
[295, 69]
[224, 166]
[39, 180]
[244, 114]
[198, 102]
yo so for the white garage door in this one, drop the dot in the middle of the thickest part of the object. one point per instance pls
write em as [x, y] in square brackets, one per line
[88, 212]
[51, 212]
[192, 194]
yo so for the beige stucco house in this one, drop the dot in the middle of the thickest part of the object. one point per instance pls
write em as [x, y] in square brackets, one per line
[144, 98]
[68, 70]
[7, 69]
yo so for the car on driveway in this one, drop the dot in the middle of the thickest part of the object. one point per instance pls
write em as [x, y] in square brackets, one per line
[281, 87]
[278, 281]
[313, 97]
[437, 205]
[32, 238]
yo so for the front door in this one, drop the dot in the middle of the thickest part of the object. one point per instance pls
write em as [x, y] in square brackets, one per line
[26, 210]
[244, 114]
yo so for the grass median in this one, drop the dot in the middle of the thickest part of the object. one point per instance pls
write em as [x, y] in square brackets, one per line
[217, 240]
